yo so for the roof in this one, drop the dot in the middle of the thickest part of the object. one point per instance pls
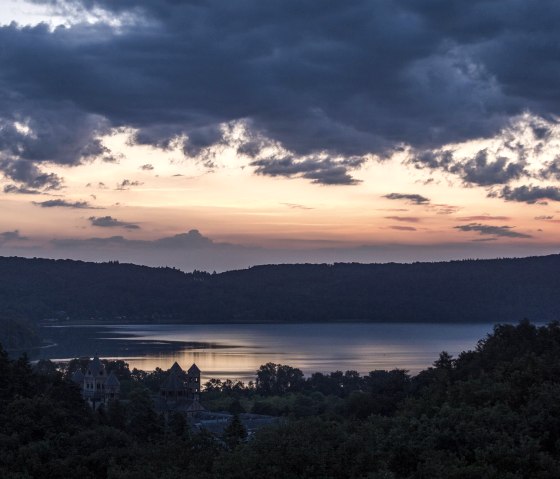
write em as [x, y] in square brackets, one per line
[194, 369]
[112, 380]
[95, 366]
[176, 368]
[77, 376]
[172, 383]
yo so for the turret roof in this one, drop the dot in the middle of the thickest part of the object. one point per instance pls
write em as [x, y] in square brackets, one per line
[95, 366]
[194, 369]
[112, 380]
[176, 368]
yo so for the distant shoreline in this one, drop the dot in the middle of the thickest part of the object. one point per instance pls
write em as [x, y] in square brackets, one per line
[470, 291]
[286, 323]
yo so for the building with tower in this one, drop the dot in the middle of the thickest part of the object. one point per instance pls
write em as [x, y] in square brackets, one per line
[97, 387]
[180, 391]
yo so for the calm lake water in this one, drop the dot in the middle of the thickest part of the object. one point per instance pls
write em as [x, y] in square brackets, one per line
[236, 351]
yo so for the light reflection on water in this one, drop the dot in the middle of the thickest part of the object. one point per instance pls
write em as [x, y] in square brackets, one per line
[237, 351]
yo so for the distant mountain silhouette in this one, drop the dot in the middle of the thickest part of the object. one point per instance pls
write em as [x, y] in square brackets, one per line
[457, 291]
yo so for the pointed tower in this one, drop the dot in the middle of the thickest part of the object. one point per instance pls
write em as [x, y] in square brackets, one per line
[178, 370]
[193, 382]
[94, 382]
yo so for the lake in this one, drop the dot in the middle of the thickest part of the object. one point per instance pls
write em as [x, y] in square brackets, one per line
[236, 351]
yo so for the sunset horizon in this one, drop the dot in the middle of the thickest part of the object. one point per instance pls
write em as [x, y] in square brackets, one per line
[268, 239]
[260, 141]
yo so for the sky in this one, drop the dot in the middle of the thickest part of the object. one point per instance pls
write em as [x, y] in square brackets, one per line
[217, 135]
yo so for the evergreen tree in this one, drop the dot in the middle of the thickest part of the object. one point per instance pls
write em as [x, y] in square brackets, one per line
[142, 421]
[235, 432]
[116, 414]
[178, 424]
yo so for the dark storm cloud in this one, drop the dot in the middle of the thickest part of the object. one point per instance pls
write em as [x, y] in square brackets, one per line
[412, 198]
[147, 167]
[342, 78]
[481, 171]
[503, 231]
[27, 173]
[110, 222]
[20, 190]
[319, 170]
[551, 169]
[201, 138]
[65, 204]
[433, 159]
[529, 194]
[54, 132]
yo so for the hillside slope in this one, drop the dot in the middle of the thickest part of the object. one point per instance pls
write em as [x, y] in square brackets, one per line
[457, 291]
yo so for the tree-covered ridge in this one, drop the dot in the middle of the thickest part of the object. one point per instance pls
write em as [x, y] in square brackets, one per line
[18, 334]
[490, 413]
[459, 291]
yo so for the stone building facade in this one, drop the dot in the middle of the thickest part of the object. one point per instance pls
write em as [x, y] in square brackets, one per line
[180, 391]
[97, 387]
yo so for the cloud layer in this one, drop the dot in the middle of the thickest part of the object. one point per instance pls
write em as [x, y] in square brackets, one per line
[413, 198]
[59, 203]
[318, 86]
[110, 222]
[489, 230]
[192, 250]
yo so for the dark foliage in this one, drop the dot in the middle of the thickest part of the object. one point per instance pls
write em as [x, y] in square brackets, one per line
[490, 413]
[235, 432]
[18, 334]
[473, 290]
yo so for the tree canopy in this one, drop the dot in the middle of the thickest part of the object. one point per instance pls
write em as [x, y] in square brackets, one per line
[457, 291]
[491, 413]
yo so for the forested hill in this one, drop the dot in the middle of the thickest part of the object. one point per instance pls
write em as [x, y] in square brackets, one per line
[458, 291]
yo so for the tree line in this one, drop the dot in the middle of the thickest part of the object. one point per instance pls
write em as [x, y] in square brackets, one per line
[492, 412]
[457, 291]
